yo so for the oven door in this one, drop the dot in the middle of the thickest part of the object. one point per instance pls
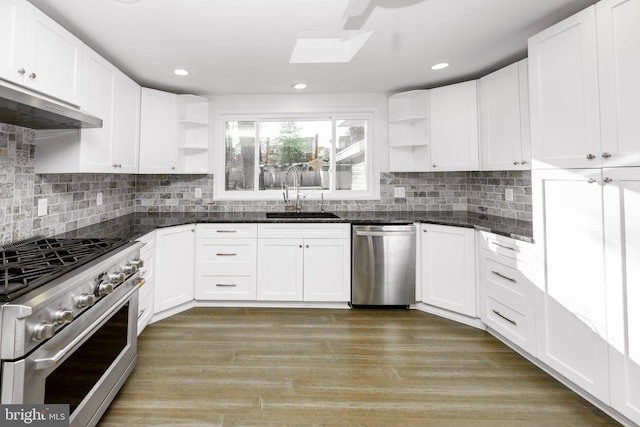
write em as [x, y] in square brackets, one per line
[83, 365]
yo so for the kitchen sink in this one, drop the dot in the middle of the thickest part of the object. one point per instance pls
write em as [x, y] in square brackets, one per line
[302, 215]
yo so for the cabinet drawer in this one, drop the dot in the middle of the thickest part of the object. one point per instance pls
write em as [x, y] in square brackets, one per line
[515, 324]
[225, 256]
[509, 277]
[209, 287]
[227, 231]
[506, 246]
[301, 231]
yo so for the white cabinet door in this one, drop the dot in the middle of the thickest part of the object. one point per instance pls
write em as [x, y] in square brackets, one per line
[571, 308]
[504, 118]
[563, 78]
[174, 266]
[95, 151]
[327, 272]
[280, 269]
[448, 268]
[619, 68]
[12, 31]
[158, 131]
[126, 124]
[622, 255]
[454, 127]
[53, 58]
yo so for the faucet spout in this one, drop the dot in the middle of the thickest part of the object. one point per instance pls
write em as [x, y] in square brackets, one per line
[296, 185]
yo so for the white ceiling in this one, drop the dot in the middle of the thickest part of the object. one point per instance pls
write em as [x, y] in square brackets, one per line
[244, 46]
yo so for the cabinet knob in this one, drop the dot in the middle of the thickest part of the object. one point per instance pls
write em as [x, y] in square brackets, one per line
[300, 246]
[607, 180]
[524, 162]
[606, 155]
[591, 180]
[591, 156]
[21, 71]
[516, 163]
[306, 246]
[434, 166]
[33, 76]
[173, 168]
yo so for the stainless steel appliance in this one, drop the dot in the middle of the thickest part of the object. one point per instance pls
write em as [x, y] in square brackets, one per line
[68, 323]
[383, 265]
[28, 110]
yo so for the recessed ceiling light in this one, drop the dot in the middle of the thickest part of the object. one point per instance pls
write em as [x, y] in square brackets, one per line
[439, 66]
[300, 86]
[180, 72]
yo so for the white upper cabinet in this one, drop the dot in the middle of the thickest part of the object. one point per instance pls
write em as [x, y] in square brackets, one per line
[158, 131]
[113, 148]
[504, 119]
[563, 79]
[174, 133]
[619, 71]
[454, 127]
[12, 32]
[584, 89]
[39, 54]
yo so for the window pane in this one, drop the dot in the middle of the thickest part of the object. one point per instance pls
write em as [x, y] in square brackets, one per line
[304, 144]
[351, 167]
[240, 155]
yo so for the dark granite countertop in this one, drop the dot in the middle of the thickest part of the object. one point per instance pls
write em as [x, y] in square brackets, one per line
[135, 225]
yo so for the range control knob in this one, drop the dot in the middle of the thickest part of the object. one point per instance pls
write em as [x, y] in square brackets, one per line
[137, 262]
[116, 278]
[63, 316]
[43, 331]
[85, 300]
[104, 288]
[130, 268]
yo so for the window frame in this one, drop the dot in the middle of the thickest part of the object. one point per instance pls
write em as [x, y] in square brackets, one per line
[373, 187]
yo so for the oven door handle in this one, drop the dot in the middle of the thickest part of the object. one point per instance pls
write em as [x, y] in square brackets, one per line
[51, 361]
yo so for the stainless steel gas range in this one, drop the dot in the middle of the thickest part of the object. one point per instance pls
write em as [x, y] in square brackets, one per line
[68, 320]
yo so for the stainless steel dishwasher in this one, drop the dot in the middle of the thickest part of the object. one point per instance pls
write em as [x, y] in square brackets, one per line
[383, 265]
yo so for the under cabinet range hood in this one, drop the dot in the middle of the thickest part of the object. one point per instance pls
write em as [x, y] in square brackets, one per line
[30, 111]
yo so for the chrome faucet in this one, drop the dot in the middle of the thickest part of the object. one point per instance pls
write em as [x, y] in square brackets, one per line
[293, 169]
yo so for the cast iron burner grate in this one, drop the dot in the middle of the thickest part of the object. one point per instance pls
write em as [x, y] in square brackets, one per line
[30, 264]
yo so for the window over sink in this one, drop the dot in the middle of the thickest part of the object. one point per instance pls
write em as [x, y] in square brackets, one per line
[331, 153]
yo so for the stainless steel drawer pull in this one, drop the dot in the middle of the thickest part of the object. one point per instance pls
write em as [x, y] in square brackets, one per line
[141, 312]
[226, 254]
[504, 317]
[226, 285]
[503, 276]
[511, 248]
[226, 231]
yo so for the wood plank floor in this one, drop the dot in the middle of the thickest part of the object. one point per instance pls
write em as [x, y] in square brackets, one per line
[312, 367]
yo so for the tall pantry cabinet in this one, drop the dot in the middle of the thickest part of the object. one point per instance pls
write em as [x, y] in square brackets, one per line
[584, 89]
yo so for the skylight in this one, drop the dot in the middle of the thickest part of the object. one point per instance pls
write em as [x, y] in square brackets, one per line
[333, 47]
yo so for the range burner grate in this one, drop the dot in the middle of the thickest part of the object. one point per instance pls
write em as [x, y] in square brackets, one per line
[30, 264]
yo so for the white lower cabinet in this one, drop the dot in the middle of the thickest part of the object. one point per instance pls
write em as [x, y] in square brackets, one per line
[309, 262]
[174, 264]
[506, 275]
[449, 268]
[571, 305]
[145, 297]
[226, 262]
[622, 255]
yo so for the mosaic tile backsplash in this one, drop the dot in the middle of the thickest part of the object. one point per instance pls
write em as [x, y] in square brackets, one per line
[72, 198]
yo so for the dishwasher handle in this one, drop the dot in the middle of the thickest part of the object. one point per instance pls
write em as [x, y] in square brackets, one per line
[404, 230]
